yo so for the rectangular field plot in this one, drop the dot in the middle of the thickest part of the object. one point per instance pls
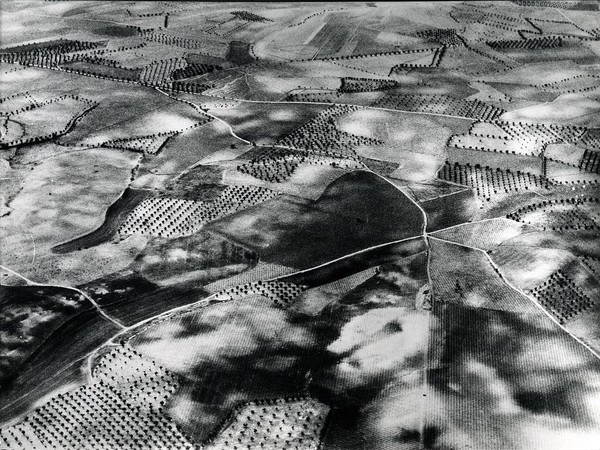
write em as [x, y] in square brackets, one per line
[539, 364]
[441, 105]
[488, 182]
[485, 235]
[370, 209]
[45, 120]
[465, 276]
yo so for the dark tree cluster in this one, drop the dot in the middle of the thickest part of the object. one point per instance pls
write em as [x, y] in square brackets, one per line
[274, 169]
[592, 264]
[174, 217]
[527, 44]
[158, 13]
[249, 17]
[278, 166]
[45, 54]
[163, 38]
[489, 182]
[562, 297]
[121, 48]
[279, 292]
[435, 62]
[571, 214]
[353, 84]
[574, 5]
[315, 97]
[440, 104]
[158, 73]
[191, 87]
[462, 15]
[447, 37]
[321, 137]
[164, 217]
[293, 423]
[236, 198]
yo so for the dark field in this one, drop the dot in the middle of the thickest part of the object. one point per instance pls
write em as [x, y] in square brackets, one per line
[448, 210]
[57, 363]
[573, 51]
[357, 211]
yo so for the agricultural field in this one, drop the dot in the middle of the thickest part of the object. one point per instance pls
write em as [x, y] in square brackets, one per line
[270, 123]
[29, 315]
[462, 284]
[484, 235]
[44, 120]
[302, 234]
[299, 225]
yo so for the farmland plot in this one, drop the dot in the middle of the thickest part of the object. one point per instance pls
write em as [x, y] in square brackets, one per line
[449, 210]
[93, 408]
[317, 238]
[63, 212]
[463, 359]
[329, 227]
[42, 121]
[485, 235]
[201, 257]
[56, 366]
[457, 272]
[172, 217]
[29, 315]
